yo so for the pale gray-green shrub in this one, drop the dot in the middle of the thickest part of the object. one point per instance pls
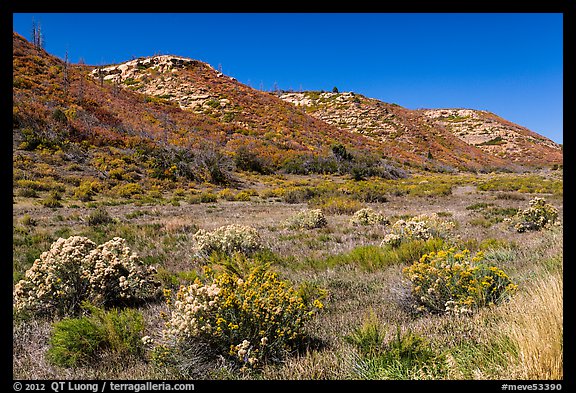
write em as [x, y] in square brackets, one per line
[422, 227]
[76, 269]
[368, 216]
[228, 240]
[537, 216]
[307, 219]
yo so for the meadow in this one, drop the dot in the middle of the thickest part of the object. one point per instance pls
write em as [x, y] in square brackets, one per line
[290, 294]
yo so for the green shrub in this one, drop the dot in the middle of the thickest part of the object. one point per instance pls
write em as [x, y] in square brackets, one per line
[28, 220]
[127, 190]
[297, 194]
[208, 197]
[87, 190]
[27, 193]
[250, 319]
[99, 216]
[32, 184]
[75, 342]
[227, 194]
[212, 165]
[53, 200]
[247, 160]
[242, 196]
[78, 341]
[454, 281]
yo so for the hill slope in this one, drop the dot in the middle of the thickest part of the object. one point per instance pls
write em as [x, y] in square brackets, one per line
[450, 135]
[77, 113]
[398, 133]
[497, 136]
[195, 87]
[157, 113]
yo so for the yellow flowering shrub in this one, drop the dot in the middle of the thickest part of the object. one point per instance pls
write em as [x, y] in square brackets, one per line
[537, 216]
[249, 320]
[454, 281]
[76, 269]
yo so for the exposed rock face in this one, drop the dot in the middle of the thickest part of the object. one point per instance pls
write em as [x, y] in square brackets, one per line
[133, 68]
[496, 135]
[347, 110]
[158, 76]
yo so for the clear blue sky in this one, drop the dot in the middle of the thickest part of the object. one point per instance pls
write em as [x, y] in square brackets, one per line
[509, 64]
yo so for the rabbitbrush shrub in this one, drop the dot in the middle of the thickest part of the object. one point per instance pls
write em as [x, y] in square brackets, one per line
[249, 320]
[454, 281]
[307, 219]
[76, 269]
[368, 216]
[537, 216]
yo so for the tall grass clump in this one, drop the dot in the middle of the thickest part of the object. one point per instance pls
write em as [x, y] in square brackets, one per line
[535, 324]
[405, 355]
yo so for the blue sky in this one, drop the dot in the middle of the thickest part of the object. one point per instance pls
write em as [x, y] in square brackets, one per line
[509, 64]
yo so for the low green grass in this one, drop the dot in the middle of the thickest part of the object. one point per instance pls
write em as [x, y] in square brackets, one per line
[406, 356]
[474, 360]
[374, 257]
[490, 214]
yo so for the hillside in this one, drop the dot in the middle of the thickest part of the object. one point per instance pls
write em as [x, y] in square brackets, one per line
[75, 118]
[497, 136]
[177, 119]
[450, 135]
[257, 117]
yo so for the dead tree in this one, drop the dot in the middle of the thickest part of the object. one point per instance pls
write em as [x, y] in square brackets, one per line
[65, 75]
[37, 36]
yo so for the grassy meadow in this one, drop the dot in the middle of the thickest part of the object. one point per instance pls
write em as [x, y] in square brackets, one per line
[367, 322]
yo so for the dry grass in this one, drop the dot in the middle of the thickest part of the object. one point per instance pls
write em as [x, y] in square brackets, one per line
[518, 340]
[534, 321]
